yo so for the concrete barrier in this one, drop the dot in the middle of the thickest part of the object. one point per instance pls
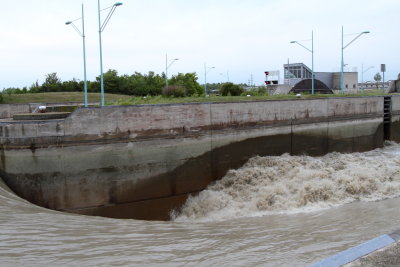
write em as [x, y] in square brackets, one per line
[8, 110]
[142, 161]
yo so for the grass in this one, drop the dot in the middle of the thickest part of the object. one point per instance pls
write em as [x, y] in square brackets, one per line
[113, 99]
[214, 98]
[61, 97]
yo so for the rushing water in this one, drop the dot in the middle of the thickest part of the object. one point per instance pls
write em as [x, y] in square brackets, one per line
[274, 211]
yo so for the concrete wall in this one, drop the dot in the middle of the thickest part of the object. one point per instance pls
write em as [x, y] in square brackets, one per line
[7, 110]
[350, 81]
[325, 77]
[142, 161]
[395, 119]
[279, 89]
[394, 87]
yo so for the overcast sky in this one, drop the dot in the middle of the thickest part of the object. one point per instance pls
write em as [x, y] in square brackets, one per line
[241, 37]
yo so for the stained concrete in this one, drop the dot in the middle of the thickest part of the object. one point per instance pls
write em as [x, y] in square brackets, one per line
[40, 116]
[101, 160]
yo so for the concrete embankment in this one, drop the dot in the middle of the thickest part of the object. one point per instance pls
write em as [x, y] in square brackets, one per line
[381, 251]
[142, 161]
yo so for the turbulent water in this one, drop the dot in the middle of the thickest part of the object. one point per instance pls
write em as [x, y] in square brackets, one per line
[274, 211]
[288, 184]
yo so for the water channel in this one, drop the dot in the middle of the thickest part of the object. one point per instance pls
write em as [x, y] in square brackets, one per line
[273, 211]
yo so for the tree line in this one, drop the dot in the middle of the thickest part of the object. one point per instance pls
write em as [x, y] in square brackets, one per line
[137, 84]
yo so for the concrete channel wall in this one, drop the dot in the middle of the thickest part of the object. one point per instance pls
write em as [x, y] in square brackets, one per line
[7, 110]
[142, 161]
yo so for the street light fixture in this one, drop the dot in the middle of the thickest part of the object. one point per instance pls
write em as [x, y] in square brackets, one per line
[342, 64]
[206, 71]
[82, 34]
[102, 26]
[312, 58]
[167, 67]
[227, 75]
[362, 73]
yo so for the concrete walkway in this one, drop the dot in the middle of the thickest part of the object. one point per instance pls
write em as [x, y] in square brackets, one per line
[381, 251]
[388, 256]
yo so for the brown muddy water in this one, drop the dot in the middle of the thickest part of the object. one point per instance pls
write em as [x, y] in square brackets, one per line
[274, 211]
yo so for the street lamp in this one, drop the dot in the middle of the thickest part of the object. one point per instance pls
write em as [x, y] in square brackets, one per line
[227, 75]
[82, 34]
[342, 64]
[362, 73]
[167, 67]
[101, 29]
[206, 71]
[312, 58]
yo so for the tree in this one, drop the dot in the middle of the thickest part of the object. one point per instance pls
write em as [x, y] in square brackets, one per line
[377, 78]
[231, 89]
[35, 87]
[141, 85]
[398, 76]
[52, 83]
[72, 86]
[111, 82]
[12, 90]
[174, 90]
[188, 81]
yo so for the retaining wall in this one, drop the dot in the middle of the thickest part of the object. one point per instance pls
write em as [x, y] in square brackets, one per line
[7, 110]
[142, 161]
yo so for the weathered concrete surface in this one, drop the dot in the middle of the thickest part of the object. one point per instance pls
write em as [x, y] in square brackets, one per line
[41, 116]
[388, 256]
[7, 111]
[395, 119]
[143, 158]
[381, 251]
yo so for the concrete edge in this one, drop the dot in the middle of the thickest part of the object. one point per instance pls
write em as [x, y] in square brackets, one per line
[395, 235]
[359, 251]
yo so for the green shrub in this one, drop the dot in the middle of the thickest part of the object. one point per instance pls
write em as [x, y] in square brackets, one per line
[231, 89]
[174, 91]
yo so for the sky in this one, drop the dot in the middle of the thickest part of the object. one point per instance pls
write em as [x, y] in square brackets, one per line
[241, 39]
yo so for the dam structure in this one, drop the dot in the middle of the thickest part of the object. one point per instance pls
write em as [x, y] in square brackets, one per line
[143, 161]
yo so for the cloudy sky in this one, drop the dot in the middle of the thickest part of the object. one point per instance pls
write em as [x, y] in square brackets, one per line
[242, 38]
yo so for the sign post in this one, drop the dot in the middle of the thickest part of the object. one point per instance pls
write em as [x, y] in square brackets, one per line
[383, 70]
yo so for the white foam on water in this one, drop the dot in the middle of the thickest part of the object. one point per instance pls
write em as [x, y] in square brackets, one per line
[291, 184]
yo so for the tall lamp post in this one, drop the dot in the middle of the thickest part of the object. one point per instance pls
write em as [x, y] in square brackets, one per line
[167, 67]
[342, 64]
[362, 73]
[101, 29]
[312, 58]
[206, 71]
[82, 34]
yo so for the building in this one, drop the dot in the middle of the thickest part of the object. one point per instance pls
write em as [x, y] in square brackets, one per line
[297, 72]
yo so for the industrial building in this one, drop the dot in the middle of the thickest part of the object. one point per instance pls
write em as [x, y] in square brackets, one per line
[297, 72]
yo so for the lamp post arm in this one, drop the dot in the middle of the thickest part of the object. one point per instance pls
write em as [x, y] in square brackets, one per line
[172, 62]
[108, 18]
[306, 48]
[210, 69]
[76, 29]
[352, 41]
[368, 69]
